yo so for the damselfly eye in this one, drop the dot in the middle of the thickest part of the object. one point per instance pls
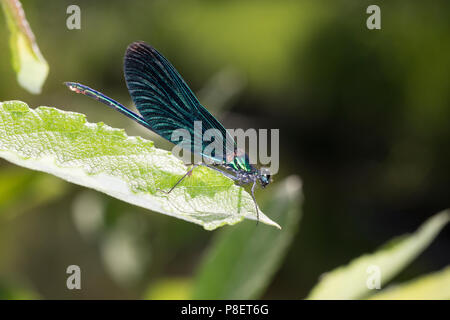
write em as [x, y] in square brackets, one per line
[264, 179]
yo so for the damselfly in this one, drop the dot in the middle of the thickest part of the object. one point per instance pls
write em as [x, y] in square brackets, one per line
[166, 103]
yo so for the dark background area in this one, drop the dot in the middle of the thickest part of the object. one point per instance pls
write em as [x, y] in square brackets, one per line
[363, 118]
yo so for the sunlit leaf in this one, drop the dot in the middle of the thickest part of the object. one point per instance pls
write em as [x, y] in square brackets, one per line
[350, 281]
[434, 286]
[27, 60]
[242, 260]
[128, 168]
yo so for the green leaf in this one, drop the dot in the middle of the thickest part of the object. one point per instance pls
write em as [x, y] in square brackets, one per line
[350, 281]
[128, 168]
[434, 286]
[242, 260]
[27, 60]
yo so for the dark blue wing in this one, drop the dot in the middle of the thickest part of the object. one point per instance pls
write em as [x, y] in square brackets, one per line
[164, 100]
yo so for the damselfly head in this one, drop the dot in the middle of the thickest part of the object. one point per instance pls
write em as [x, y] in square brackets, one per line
[264, 177]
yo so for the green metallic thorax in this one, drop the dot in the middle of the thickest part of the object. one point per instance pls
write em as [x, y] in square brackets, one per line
[241, 163]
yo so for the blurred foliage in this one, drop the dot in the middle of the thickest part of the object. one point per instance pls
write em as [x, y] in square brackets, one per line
[18, 184]
[362, 114]
[27, 60]
[239, 264]
[242, 260]
[16, 292]
[170, 289]
[434, 286]
[350, 282]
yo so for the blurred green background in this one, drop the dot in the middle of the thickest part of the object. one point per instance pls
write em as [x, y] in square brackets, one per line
[363, 118]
